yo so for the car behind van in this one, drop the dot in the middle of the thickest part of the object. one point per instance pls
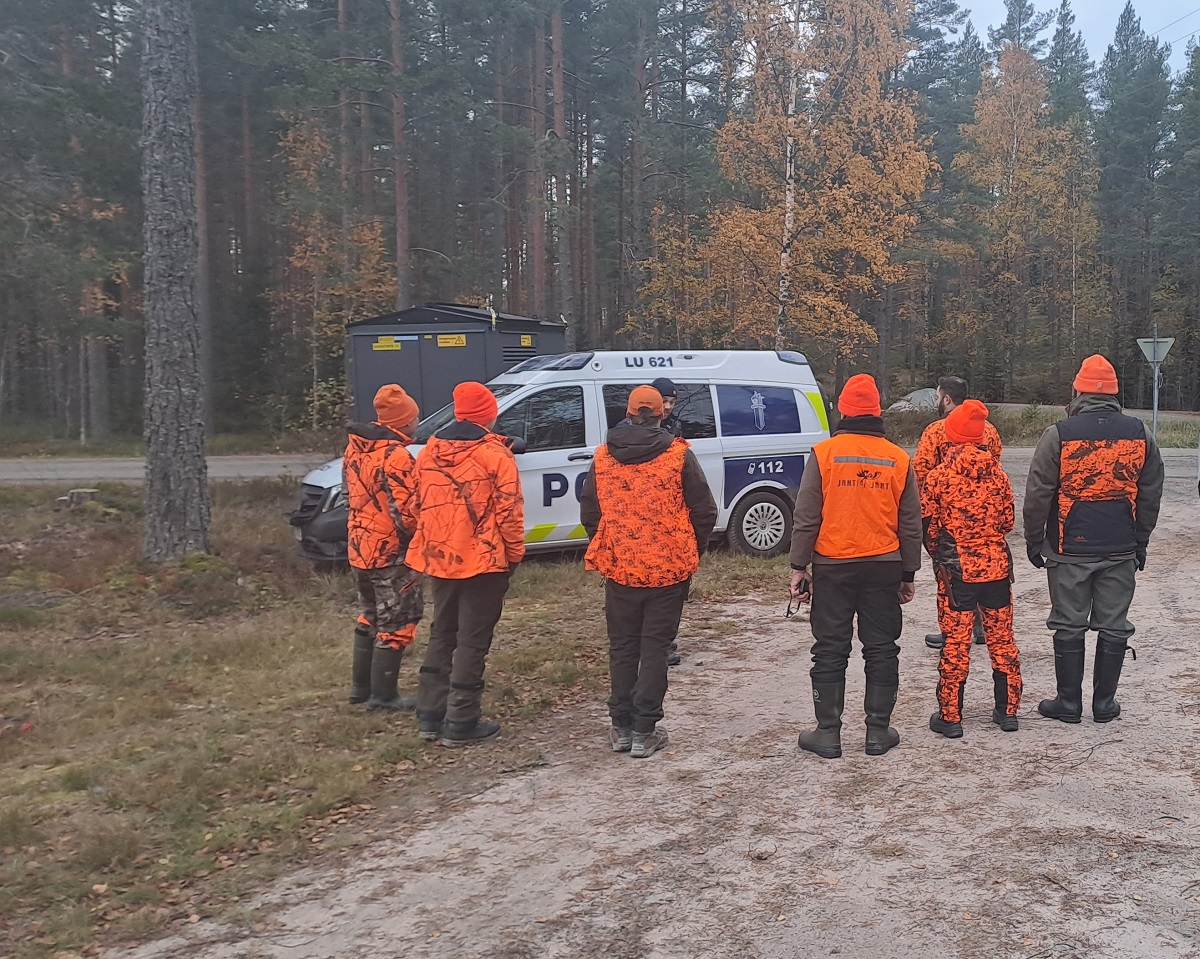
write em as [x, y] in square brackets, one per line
[751, 418]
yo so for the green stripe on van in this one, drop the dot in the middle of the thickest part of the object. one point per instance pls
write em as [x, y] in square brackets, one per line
[539, 533]
[818, 404]
[577, 533]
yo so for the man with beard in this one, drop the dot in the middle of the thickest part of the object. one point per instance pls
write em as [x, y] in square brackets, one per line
[931, 451]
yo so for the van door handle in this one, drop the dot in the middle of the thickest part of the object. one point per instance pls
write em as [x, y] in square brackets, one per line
[574, 457]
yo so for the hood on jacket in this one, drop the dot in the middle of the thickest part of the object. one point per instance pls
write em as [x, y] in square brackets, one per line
[630, 444]
[458, 442]
[866, 425]
[973, 462]
[366, 436]
[1093, 403]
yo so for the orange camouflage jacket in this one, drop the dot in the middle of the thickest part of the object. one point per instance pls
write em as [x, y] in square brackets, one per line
[471, 517]
[967, 505]
[934, 445]
[379, 480]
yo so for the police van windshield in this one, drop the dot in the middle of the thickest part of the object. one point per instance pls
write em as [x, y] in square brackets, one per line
[431, 424]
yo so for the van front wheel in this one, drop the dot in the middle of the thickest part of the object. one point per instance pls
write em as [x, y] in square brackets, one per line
[761, 526]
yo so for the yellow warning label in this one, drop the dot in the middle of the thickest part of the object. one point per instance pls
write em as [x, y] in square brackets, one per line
[386, 343]
[526, 339]
[452, 339]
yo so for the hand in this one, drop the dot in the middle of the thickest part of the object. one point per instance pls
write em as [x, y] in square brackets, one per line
[1034, 552]
[1141, 558]
[801, 586]
[907, 592]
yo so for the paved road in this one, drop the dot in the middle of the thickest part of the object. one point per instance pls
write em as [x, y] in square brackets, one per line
[130, 470]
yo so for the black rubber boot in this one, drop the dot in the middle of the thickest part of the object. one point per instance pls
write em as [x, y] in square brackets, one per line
[455, 735]
[360, 674]
[429, 726]
[385, 671]
[879, 703]
[977, 629]
[944, 727]
[673, 657]
[1068, 671]
[1110, 657]
[829, 699]
[1000, 714]
[935, 640]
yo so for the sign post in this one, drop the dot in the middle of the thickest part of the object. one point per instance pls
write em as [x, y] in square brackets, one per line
[1155, 348]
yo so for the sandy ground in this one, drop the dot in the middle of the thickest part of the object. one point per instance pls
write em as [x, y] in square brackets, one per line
[1057, 841]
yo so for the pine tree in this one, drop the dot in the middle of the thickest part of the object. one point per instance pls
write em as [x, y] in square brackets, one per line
[1022, 27]
[1178, 301]
[1072, 71]
[176, 495]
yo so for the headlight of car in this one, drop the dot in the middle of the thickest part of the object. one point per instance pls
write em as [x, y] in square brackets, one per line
[336, 499]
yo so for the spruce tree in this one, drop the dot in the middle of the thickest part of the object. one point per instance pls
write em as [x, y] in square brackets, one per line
[1022, 27]
[1131, 131]
[1072, 71]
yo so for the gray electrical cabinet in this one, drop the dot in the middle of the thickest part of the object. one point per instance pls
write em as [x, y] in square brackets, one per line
[430, 349]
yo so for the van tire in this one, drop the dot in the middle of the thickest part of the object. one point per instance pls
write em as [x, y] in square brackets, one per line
[761, 525]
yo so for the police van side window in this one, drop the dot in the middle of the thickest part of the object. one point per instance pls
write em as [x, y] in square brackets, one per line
[550, 420]
[694, 408]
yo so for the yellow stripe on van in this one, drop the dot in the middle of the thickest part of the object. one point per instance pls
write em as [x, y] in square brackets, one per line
[818, 404]
[577, 533]
[540, 533]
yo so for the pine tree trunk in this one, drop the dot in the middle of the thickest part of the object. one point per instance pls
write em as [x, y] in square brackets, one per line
[204, 315]
[537, 179]
[345, 113]
[400, 163]
[97, 391]
[176, 491]
[250, 236]
[563, 274]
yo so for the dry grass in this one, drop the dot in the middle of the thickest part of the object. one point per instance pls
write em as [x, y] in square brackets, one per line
[1025, 427]
[169, 737]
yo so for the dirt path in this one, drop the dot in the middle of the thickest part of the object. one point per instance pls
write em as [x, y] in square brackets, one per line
[1057, 841]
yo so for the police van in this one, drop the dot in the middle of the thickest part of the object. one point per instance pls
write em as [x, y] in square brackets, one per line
[751, 417]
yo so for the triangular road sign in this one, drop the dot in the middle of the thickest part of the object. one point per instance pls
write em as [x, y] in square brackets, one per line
[1156, 348]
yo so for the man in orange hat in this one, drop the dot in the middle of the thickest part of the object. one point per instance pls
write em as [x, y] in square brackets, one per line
[967, 503]
[649, 512]
[858, 525]
[379, 480]
[1091, 503]
[469, 539]
[931, 450]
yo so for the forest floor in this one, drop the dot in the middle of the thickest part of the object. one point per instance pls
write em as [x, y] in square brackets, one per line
[225, 803]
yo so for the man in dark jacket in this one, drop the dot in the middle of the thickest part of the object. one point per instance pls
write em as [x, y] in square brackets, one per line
[649, 512]
[670, 395]
[858, 523]
[1091, 503]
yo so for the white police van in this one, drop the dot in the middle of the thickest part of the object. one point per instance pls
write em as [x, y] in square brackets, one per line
[751, 417]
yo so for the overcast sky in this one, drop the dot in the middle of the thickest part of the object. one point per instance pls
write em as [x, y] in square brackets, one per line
[1098, 21]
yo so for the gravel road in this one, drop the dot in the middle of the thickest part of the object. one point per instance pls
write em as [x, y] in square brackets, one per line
[1059, 842]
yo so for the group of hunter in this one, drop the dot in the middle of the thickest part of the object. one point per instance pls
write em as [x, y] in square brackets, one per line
[865, 511]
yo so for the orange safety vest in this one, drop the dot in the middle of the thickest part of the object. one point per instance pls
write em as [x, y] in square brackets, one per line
[645, 538]
[862, 480]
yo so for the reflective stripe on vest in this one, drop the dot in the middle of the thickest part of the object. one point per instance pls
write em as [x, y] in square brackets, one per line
[1100, 463]
[862, 479]
[645, 538]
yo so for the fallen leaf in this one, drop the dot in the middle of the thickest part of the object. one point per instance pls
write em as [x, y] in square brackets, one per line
[193, 918]
[100, 888]
[646, 867]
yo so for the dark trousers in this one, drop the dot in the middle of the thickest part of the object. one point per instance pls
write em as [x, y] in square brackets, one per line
[868, 590]
[641, 625]
[465, 613]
